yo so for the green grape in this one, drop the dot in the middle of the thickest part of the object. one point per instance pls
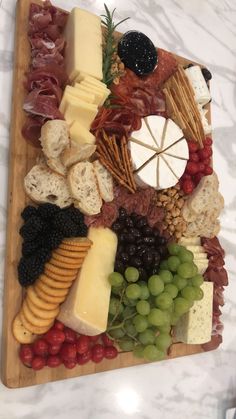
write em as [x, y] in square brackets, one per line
[185, 255]
[163, 341]
[197, 280]
[164, 265]
[129, 303]
[155, 285]
[173, 263]
[171, 289]
[140, 323]
[117, 333]
[131, 274]
[144, 290]
[199, 294]
[174, 319]
[133, 291]
[179, 282]
[116, 279]
[157, 317]
[128, 311]
[143, 307]
[166, 276]
[188, 293]
[147, 337]
[163, 301]
[195, 270]
[116, 290]
[126, 345]
[138, 351]
[115, 306]
[174, 248]
[186, 270]
[181, 306]
[129, 328]
[165, 329]
[151, 353]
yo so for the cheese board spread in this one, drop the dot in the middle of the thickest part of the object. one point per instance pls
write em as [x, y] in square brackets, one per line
[112, 256]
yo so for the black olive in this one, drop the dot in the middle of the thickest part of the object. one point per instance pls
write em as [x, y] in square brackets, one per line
[162, 250]
[206, 74]
[156, 232]
[156, 257]
[142, 251]
[124, 257]
[137, 52]
[119, 266]
[155, 271]
[117, 226]
[122, 214]
[147, 231]
[149, 240]
[142, 274]
[136, 262]
[147, 258]
[129, 222]
[134, 216]
[131, 249]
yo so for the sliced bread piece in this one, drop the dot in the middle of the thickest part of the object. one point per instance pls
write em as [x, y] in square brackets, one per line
[75, 153]
[84, 189]
[42, 185]
[105, 181]
[57, 166]
[54, 138]
[200, 199]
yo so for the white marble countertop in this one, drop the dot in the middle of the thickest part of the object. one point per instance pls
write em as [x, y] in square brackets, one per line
[202, 386]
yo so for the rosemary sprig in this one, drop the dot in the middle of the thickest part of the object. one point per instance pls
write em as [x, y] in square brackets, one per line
[109, 47]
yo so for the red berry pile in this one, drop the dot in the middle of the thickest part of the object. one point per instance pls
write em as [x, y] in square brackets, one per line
[197, 166]
[61, 345]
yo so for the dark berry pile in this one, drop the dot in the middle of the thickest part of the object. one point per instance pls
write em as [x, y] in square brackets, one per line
[43, 230]
[138, 244]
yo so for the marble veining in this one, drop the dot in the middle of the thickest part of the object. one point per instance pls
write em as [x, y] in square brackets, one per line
[201, 386]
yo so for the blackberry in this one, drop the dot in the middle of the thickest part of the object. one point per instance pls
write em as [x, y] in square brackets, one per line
[74, 214]
[30, 247]
[28, 212]
[53, 239]
[32, 227]
[47, 211]
[63, 223]
[82, 230]
[30, 268]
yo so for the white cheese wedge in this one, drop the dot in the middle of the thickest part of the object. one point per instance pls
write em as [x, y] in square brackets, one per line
[83, 52]
[85, 309]
[206, 126]
[157, 128]
[80, 135]
[179, 150]
[78, 110]
[139, 154]
[202, 265]
[176, 165]
[148, 174]
[144, 135]
[166, 178]
[198, 83]
[195, 326]
[172, 134]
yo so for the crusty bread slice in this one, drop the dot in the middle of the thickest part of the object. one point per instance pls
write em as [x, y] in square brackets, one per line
[54, 138]
[75, 153]
[105, 181]
[200, 200]
[43, 185]
[57, 166]
[84, 189]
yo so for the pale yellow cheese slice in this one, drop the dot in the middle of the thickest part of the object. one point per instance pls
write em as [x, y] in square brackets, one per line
[98, 95]
[72, 92]
[80, 134]
[78, 110]
[86, 307]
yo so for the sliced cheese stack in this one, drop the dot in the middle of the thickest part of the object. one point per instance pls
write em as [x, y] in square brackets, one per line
[159, 152]
[195, 326]
[86, 307]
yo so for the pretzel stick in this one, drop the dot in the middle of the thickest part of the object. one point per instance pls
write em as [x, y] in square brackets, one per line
[115, 174]
[126, 163]
[129, 166]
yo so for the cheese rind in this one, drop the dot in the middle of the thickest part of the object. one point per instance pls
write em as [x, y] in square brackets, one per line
[195, 326]
[86, 307]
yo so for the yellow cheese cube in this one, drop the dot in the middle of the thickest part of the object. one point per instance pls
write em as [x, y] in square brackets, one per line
[80, 134]
[85, 309]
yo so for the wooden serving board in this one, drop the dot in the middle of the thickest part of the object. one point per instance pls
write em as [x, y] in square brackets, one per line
[22, 158]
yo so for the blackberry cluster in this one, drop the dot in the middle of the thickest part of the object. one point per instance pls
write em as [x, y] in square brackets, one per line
[43, 230]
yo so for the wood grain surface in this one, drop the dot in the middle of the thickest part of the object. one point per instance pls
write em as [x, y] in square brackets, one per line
[22, 158]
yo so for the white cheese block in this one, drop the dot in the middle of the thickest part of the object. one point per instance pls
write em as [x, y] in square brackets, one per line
[179, 150]
[85, 309]
[190, 241]
[97, 89]
[80, 135]
[144, 135]
[195, 326]
[156, 126]
[78, 110]
[171, 134]
[202, 265]
[196, 249]
[198, 83]
[206, 126]
[200, 255]
[83, 52]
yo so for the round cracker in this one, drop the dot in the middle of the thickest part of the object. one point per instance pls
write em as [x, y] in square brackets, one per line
[57, 277]
[34, 320]
[49, 298]
[38, 302]
[60, 271]
[37, 330]
[39, 312]
[73, 248]
[66, 265]
[55, 284]
[53, 292]
[68, 259]
[77, 241]
[70, 254]
[19, 331]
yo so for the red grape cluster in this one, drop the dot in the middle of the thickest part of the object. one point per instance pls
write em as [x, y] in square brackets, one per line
[62, 345]
[197, 166]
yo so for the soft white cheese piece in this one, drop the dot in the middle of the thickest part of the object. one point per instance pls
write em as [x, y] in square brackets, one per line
[190, 241]
[156, 126]
[80, 134]
[139, 154]
[202, 265]
[177, 166]
[166, 177]
[85, 309]
[206, 126]
[144, 135]
[148, 174]
[171, 134]
[195, 326]
[198, 83]
[179, 150]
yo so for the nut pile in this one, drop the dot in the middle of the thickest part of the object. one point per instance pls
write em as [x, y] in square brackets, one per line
[172, 199]
[117, 68]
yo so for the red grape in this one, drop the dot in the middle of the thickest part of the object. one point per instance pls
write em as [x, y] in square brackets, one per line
[70, 363]
[192, 146]
[68, 351]
[194, 157]
[54, 361]
[191, 168]
[70, 335]
[98, 353]
[84, 358]
[208, 141]
[26, 354]
[40, 347]
[82, 344]
[110, 352]
[188, 186]
[94, 338]
[201, 167]
[208, 170]
[198, 177]
[54, 349]
[38, 363]
[106, 340]
[54, 336]
[59, 325]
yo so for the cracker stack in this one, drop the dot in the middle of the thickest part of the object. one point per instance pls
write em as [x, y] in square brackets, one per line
[41, 304]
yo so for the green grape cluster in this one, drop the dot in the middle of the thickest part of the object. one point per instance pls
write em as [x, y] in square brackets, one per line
[141, 314]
